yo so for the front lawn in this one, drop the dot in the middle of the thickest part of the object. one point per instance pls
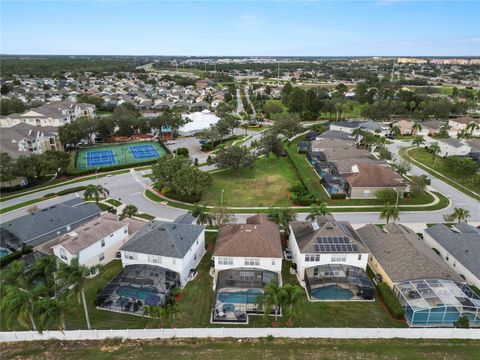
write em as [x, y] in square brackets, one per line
[265, 185]
[471, 182]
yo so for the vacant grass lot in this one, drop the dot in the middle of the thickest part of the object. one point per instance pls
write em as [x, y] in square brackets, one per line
[264, 348]
[471, 182]
[265, 185]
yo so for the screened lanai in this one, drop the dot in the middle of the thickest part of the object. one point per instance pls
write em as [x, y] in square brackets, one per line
[136, 286]
[438, 302]
[338, 282]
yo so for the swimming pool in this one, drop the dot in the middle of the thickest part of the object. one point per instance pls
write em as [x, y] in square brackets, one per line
[239, 297]
[331, 292]
[149, 295]
[438, 316]
[4, 252]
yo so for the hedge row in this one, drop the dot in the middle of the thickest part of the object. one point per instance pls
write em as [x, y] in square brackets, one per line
[394, 307]
[184, 198]
[14, 256]
[71, 190]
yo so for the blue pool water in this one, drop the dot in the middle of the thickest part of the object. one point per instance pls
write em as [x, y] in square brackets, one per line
[239, 297]
[148, 296]
[331, 292]
[439, 316]
[4, 252]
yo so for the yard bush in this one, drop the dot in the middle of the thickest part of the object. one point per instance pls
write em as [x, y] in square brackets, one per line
[394, 307]
[340, 196]
[184, 198]
[4, 261]
[300, 195]
[182, 151]
[49, 195]
[70, 190]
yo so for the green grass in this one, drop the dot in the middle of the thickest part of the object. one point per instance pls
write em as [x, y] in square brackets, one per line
[264, 348]
[467, 182]
[25, 203]
[123, 154]
[146, 216]
[265, 185]
[114, 202]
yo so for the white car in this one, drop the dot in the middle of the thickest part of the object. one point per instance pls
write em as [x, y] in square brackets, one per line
[171, 142]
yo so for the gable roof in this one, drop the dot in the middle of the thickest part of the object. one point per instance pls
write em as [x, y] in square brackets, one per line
[463, 244]
[307, 232]
[452, 142]
[47, 220]
[259, 237]
[169, 239]
[403, 255]
[374, 175]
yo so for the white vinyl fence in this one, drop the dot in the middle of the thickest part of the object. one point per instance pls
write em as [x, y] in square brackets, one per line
[332, 333]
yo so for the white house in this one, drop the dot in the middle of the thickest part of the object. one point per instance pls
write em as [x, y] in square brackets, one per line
[459, 246]
[330, 259]
[175, 246]
[461, 123]
[94, 243]
[450, 147]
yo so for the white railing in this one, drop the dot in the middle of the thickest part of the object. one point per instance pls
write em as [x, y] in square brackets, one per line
[332, 333]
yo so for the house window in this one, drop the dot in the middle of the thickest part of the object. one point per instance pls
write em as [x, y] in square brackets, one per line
[111, 235]
[101, 257]
[273, 261]
[125, 231]
[130, 255]
[102, 243]
[247, 275]
[339, 258]
[359, 256]
[312, 257]
[63, 254]
[154, 259]
[252, 262]
[225, 261]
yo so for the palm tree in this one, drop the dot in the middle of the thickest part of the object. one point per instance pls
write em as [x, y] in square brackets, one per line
[129, 211]
[418, 140]
[444, 130]
[273, 296]
[471, 127]
[46, 267]
[395, 131]
[317, 210]
[463, 134]
[50, 313]
[460, 214]
[202, 215]
[381, 142]
[20, 295]
[389, 212]
[282, 216]
[293, 293]
[72, 276]
[96, 192]
[416, 127]
[435, 150]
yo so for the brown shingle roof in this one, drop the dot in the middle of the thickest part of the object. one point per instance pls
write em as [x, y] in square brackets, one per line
[374, 175]
[403, 255]
[259, 237]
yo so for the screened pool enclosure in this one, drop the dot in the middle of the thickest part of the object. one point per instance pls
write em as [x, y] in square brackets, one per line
[136, 286]
[438, 302]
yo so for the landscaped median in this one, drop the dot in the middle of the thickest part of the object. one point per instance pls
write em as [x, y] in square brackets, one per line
[468, 184]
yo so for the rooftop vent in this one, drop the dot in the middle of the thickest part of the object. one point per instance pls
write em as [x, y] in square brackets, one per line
[315, 226]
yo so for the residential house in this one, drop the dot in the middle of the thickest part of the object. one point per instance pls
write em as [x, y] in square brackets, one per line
[375, 127]
[45, 224]
[461, 123]
[56, 114]
[450, 147]
[345, 126]
[246, 258]
[406, 128]
[430, 292]
[174, 246]
[25, 139]
[94, 243]
[330, 259]
[432, 127]
[474, 149]
[459, 245]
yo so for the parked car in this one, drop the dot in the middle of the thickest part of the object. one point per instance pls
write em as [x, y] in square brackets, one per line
[170, 142]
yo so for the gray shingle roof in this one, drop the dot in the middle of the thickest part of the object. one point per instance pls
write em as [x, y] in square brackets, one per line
[403, 255]
[45, 221]
[164, 239]
[187, 218]
[463, 245]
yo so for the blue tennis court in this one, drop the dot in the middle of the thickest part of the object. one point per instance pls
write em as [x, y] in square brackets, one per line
[141, 152]
[100, 158]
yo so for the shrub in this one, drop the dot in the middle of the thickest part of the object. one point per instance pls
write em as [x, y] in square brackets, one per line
[339, 196]
[49, 195]
[394, 307]
[70, 190]
[184, 198]
[14, 256]
[182, 151]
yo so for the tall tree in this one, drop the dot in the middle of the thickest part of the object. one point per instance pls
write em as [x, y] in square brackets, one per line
[418, 140]
[319, 209]
[97, 192]
[292, 294]
[435, 150]
[273, 296]
[201, 213]
[389, 212]
[72, 277]
[6, 167]
[234, 158]
[129, 211]
[282, 216]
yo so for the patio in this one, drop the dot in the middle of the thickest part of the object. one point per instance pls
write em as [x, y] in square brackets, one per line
[236, 293]
[137, 286]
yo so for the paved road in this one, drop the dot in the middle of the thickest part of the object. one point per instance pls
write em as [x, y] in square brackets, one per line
[239, 102]
[254, 115]
[129, 188]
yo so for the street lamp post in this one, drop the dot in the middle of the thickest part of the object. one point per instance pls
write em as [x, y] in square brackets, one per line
[96, 174]
[221, 198]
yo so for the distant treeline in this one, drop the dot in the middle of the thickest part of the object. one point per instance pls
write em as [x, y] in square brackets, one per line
[46, 67]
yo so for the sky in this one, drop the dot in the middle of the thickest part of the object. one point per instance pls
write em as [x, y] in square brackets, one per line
[241, 28]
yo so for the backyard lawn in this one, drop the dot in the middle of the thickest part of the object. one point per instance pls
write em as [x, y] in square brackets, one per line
[264, 348]
[265, 185]
[471, 182]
